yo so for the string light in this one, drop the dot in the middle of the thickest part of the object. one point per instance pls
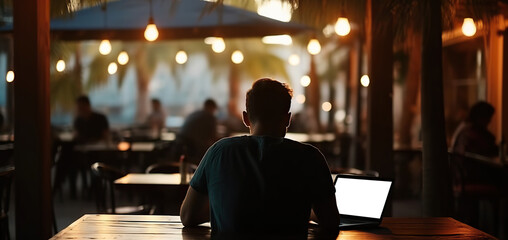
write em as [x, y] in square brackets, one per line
[123, 58]
[294, 59]
[305, 81]
[300, 99]
[151, 32]
[468, 27]
[123, 146]
[9, 77]
[342, 27]
[365, 80]
[340, 115]
[314, 47]
[112, 68]
[181, 57]
[105, 47]
[219, 45]
[60, 65]
[326, 106]
[237, 57]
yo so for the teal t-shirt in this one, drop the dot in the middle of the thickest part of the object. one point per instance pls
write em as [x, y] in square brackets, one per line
[260, 184]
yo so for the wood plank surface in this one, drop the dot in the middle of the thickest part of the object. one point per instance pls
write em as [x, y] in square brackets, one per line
[125, 227]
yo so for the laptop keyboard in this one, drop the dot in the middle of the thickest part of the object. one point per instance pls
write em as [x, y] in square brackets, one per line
[350, 221]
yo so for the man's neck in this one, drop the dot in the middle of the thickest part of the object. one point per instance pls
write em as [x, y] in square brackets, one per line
[259, 131]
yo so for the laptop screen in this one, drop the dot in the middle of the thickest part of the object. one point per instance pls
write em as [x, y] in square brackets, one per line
[361, 197]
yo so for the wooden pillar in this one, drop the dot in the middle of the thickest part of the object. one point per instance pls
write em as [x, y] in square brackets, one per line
[504, 104]
[32, 128]
[380, 90]
[437, 191]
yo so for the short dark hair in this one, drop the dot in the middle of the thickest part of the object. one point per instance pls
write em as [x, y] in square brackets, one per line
[210, 103]
[480, 110]
[83, 100]
[268, 100]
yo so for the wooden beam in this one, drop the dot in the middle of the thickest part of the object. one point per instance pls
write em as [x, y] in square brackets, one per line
[32, 128]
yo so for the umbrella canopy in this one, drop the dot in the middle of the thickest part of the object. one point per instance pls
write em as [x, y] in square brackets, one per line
[175, 19]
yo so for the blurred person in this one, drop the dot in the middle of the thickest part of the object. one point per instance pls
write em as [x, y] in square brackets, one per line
[473, 136]
[89, 126]
[198, 132]
[262, 183]
[156, 121]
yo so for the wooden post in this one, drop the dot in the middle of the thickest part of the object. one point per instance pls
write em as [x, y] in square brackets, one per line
[437, 191]
[380, 90]
[32, 128]
[504, 94]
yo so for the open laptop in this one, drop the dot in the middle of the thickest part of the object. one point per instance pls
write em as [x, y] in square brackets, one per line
[361, 200]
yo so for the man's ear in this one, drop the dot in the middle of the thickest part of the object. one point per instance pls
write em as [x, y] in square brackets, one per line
[245, 118]
[287, 120]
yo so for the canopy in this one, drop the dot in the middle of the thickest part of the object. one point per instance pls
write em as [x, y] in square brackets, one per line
[175, 19]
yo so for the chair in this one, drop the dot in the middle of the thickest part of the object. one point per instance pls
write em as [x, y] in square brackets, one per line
[103, 177]
[6, 175]
[474, 181]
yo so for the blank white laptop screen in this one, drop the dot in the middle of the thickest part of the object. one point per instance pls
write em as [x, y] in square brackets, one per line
[361, 197]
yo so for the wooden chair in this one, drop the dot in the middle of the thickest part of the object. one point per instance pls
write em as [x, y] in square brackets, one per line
[104, 177]
[6, 175]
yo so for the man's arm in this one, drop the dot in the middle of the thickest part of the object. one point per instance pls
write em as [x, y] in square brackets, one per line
[326, 213]
[195, 208]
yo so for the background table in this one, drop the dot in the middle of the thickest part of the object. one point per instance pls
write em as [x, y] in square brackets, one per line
[169, 227]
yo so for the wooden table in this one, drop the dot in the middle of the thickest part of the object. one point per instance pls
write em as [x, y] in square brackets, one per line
[165, 191]
[169, 227]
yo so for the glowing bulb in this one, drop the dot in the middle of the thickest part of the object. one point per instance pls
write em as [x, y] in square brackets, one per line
[123, 58]
[275, 9]
[60, 65]
[340, 115]
[278, 39]
[151, 32]
[105, 47]
[294, 59]
[365, 80]
[314, 47]
[123, 146]
[181, 57]
[10, 76]
[300, 99]
[305, 81]
[237, 57]
[342, 27]
[112, 68]
[326, 106]
[218, 45]
[468, 27]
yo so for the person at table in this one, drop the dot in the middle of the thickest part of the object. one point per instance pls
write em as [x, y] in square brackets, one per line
[198, 132]
[473, 135]
[89, 126]
[157, 118]
[262, 183]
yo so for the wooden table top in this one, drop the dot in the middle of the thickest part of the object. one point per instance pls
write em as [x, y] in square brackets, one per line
[151, 179]
[169, 227]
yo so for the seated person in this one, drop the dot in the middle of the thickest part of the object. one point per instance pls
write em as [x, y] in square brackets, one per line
[473, 135]
[262, 183]
[198, 132]
[89, 126]
[156, 121]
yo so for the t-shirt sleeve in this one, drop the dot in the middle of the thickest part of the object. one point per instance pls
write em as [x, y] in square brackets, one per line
[323, 183]
[199, 180]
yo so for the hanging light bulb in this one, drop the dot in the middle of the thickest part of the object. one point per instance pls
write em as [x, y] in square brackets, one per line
[305, 81]
[300, 99]
[9, 77]
[314, 47]
[219, 45]
[326, 106]
[151, 32]
[342, 27]
[294, 59]
[468, 27]
[365, 80]
[181, 57]
[60, 65]
[112, 68]
[123, 58]
[237, 57]
[105, 47]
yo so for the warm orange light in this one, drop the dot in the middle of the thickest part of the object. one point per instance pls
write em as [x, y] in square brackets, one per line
[105, 47]
[9, 77]
[60, 65]
[342, 27]
[181, 57]
[151, 32]
[365, 80]
[305, 81]
[237, 57]
[112, 68]
[326, 106]
[123, 58]
[294, 59]
[123, 146]
[218, 45]
[468, 27]
[314, 47]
